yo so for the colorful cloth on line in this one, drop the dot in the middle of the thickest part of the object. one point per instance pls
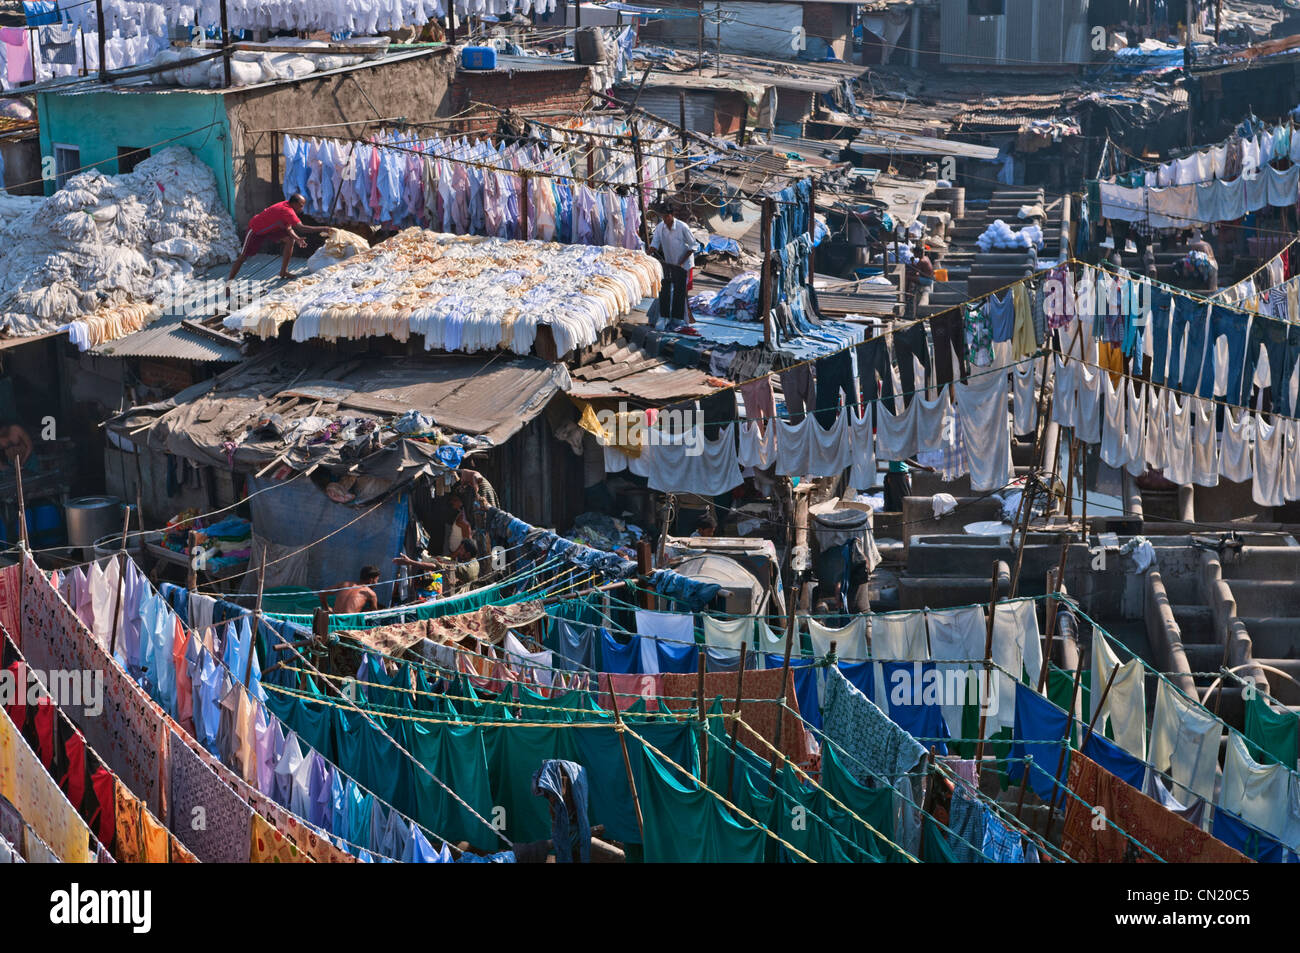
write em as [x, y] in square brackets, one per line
[126, 734]
[1144, 819]
[759, 710]
[877, 748]
[36, 798]
[140, 839]
[269, 846]
[214, 819]
[11, 598]
[1002, 845]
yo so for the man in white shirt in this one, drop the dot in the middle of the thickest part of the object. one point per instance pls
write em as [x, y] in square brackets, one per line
[675, 245]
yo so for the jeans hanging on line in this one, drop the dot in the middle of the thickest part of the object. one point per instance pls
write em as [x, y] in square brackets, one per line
[908, 343]
[834, 374]
[873, 363]
[1228, 324]
[1190, 315]
[1282, 341]
[949, 335]
[1160, 302]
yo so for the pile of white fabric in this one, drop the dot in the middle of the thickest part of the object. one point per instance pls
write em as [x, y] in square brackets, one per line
[105, 243]
[1002, 235]
[249, 67]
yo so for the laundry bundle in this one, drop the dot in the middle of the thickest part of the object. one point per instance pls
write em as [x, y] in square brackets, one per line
[737, 300]
[104, 244]
[461, 293]
[1002, 235]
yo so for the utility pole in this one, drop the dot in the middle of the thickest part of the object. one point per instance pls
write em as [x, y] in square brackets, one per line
[699, 56]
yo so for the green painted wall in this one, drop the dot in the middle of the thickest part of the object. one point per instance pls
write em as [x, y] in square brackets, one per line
[98, 123]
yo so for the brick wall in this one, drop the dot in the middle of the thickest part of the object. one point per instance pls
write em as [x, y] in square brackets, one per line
[830, 21]
[527, 91]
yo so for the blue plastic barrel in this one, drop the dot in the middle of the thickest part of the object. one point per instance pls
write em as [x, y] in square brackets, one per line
[45, 528]
[478, 57]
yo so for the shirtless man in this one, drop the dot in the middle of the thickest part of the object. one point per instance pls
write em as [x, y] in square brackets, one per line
[354, 596]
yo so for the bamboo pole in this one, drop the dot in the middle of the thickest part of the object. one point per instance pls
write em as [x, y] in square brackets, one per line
[735, 721]
[700, 717]
[1060, 762]
[121, 580]
[257, 618]
[988, 673]
[627, 764]
[16, 461]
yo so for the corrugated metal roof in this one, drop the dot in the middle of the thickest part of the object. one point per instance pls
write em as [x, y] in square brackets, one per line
[883, 141]
[527, 64]
[175, 335]
[627, 370]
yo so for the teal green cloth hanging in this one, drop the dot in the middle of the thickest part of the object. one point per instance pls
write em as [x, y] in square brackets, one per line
[1275, 734]
[934, 844]
[688, 825]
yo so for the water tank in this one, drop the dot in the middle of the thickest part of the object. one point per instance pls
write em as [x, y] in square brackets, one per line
[91, 518]
[478, 57]
[589, 47]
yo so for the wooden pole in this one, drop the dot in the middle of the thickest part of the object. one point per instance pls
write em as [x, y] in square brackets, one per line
[225, 42]
[1083, 489]
[1026, 495]
[1058, 584]
[639, 159]
[121, 580]
[699, 55]
[681, 116]
[99, 25]
[257, 617]
[16, 461]
[700, 717]
[735, 721]
[988, 673]
[523, 205]
[627, 764]
[792, 591]
[765, 274]
[1069, 482]
[1060, 762]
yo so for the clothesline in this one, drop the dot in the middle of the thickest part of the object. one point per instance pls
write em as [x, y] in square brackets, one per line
[237, 678]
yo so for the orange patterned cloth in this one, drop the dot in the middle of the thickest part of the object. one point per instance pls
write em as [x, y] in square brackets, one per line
[1142, 818]
[757, 713]
[269, 846]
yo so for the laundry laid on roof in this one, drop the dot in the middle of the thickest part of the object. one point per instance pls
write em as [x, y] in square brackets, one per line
[461, 293]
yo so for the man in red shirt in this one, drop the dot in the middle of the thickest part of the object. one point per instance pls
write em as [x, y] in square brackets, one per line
[276, 224]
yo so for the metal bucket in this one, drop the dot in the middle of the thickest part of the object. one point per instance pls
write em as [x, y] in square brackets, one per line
[90, 517]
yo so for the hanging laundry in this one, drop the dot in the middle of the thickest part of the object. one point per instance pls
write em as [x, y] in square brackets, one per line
[1171, 838]
[806, 449]
[692, 463]
[1126, 706]
[957, 634]
[1017, 650]
[982, 412]
[1184, 743]
[1260, 794]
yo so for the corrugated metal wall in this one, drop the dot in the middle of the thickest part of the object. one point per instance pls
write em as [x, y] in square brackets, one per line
[1032, 32]
[961, 35]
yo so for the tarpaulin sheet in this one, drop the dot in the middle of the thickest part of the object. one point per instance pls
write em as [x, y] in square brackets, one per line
[298, 514]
